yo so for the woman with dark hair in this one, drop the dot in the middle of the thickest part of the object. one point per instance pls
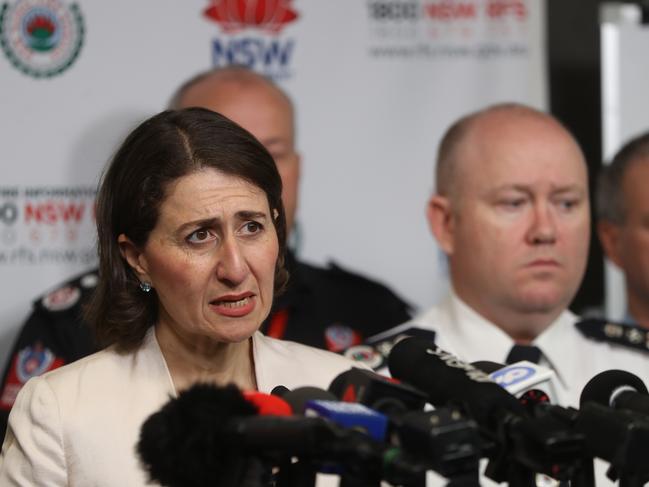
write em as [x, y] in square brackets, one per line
[191, 238]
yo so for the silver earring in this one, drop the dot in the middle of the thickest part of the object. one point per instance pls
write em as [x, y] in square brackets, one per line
[145, 286]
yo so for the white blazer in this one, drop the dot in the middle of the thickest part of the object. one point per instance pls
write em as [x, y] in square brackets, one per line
[78, 425]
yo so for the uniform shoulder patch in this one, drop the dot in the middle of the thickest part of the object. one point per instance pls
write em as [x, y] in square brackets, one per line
[339, 337]
[62, 298]
[623, 334]
[374, 351]
[28, 362]
[66, 295]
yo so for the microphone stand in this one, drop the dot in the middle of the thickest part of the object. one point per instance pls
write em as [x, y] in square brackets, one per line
[296, 474]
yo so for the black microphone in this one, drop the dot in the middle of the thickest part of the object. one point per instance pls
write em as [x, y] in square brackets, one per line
[300, 396]
[523, 444]
[447, 380]
[617, 389]
[211, 435]
[183, 443]
[486, 366]
[376, 391]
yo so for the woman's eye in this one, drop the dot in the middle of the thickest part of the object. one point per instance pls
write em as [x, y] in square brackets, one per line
[200, 236]
[252, 227]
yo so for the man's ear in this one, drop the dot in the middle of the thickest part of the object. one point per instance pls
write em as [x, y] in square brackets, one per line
[609, 237]
[440, 221]
[133, 256]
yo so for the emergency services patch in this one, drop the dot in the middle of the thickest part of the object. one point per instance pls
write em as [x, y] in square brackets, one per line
[341, 337]
[29, 362]
[375, 351]
[63, 298]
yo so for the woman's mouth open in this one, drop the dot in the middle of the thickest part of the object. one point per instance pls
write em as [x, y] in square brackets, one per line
[234, 305]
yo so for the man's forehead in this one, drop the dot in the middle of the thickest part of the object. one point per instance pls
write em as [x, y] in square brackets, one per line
[514, 148]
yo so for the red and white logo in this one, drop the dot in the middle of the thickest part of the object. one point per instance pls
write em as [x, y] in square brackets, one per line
[234, 15]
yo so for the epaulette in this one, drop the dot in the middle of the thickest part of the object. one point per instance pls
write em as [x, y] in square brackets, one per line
[374, 352]
[626, 335]
[67, 295]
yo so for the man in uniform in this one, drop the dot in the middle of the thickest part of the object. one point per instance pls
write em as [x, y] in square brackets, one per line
[511, 212]
[623, 223]
[329, 307]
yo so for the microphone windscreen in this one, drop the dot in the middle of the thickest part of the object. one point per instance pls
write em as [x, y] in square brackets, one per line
[486, 366]
[600, 388]
[447, 380]
[177, 443]
[297, 398]
[267, 404]
[279, 390]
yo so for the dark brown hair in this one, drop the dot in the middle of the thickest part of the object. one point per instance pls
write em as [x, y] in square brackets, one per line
[159, 151]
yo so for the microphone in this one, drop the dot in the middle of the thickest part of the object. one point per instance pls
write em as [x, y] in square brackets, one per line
[617, 389]
[211, 435]
[444, 440]
[531, 383]
[298, 398]
[543, 444]
[385, 395]
[486, 366]
[268, 405]
[447, 380]
[177, 444]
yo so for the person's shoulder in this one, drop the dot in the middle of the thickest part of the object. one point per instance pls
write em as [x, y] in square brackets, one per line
[90, 368]
[620, 336]
[374, 351]
[336, 280]
[67, 297]
[297, 365]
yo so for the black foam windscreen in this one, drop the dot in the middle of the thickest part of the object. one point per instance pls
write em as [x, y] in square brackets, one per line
[177, 444]
[602, 387]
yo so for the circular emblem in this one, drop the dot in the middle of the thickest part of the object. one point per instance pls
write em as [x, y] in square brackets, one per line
[364, 354]
[62, 298]
[512, 375]
[33, 361]
[340, 337]
[41, 38]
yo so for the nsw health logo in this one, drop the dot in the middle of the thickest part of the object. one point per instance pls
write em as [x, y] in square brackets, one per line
[512, 375]
[252, 35]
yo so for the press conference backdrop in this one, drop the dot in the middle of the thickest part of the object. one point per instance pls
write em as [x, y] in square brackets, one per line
[375, 83]
[625, 105]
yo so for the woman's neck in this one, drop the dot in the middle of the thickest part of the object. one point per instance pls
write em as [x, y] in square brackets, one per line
[190, 361]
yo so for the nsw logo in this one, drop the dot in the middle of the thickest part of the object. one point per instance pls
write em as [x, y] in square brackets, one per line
[235, 15]
[263, 50]
[510, 376]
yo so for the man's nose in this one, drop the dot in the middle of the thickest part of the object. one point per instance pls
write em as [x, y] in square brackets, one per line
[543, 228]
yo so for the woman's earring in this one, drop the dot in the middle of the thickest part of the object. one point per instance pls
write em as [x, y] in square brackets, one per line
[145, 286]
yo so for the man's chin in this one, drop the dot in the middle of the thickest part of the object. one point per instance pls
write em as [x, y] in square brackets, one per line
[538, 302]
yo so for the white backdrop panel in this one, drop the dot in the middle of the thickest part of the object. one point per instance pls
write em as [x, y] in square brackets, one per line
[375, 83]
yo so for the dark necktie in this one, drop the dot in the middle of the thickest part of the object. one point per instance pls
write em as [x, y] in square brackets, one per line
[531, 353]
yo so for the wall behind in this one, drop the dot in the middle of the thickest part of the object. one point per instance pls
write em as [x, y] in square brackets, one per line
[375, 83]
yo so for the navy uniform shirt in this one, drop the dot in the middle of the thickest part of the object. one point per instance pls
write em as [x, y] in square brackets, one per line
[53, 335]
[332, 308]
[325, 308]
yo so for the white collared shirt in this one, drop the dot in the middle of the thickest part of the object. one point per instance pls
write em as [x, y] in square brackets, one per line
[574, 358]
